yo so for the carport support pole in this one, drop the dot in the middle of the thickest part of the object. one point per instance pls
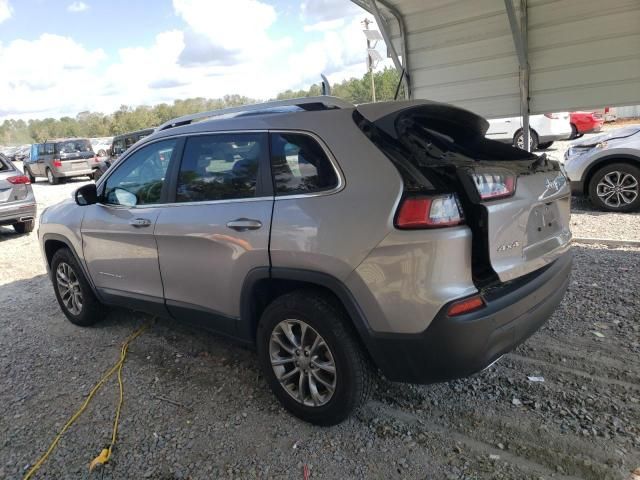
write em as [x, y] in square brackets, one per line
[521, 42]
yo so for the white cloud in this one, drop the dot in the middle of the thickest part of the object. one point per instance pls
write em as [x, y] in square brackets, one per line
[5, 10]
[236, 52]
[77, 6]
[47, 75]
[227, 32]
[316, 11]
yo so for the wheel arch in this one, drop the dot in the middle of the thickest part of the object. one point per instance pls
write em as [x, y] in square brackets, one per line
[263, 285]
[52, 242]
[603, 162]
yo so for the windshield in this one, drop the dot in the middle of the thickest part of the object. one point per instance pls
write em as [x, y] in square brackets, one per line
[73, 146]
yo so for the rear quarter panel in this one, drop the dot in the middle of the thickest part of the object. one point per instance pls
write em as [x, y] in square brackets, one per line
[334, 233]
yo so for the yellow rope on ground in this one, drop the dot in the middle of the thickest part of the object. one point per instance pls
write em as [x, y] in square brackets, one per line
[104, 455]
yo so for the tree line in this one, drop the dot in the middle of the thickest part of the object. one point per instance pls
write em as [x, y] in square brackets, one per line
[127, 118]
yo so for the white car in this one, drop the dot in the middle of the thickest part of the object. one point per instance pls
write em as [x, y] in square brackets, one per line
[545, 129]
[101, 145]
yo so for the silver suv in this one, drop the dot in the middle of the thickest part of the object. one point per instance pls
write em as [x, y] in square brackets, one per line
[337, 240]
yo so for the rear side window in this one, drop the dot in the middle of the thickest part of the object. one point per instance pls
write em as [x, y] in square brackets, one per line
[48, 148]
[220, 167]
[3, 165]
[300, 165]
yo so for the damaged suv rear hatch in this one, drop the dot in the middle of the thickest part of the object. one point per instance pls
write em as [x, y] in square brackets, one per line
[516, 204]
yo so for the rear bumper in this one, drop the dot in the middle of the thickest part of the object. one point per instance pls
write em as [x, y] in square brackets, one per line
[10, 214]
[74, 173]
[453, 347]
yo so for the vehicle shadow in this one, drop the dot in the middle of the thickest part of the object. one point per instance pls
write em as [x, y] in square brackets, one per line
[8, 233]
[175, 374]
[583, 205]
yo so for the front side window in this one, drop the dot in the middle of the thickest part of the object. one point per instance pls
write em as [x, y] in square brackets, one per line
[299, 165]
[220, 167]
[139, 179]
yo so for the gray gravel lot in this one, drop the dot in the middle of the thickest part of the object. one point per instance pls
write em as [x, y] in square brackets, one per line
[197, 407]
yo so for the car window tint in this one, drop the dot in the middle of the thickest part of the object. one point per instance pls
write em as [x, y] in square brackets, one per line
[299, 165]
[141, 174]
[219, 167]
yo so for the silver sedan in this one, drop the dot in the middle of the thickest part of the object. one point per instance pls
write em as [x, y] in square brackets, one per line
[606, 168]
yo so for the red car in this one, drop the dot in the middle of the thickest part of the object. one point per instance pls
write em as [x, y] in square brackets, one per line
[585, 122]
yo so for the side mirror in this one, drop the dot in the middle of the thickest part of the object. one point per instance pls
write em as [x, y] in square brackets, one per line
[86, 195]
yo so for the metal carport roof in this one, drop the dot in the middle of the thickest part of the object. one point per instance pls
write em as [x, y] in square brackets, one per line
[574, 53]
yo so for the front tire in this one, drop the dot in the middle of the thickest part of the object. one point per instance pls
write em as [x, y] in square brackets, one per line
[518, 140]
[73, 292]
[53, 180]
[24, 227]
[616, 188]
[311, 359]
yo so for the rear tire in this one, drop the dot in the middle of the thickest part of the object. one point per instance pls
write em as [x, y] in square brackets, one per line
[53, 180]
[616, 188]
[518, 140]
[545, 145]
[73, 291]
[24, 227]
[574, 132]
[28, 173]
[325, 398]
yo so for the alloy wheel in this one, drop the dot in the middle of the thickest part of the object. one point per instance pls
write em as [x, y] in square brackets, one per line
[69, 288]
[302, 362]
[617, 189]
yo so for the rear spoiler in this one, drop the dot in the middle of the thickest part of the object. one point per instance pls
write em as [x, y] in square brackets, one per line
[452, 121]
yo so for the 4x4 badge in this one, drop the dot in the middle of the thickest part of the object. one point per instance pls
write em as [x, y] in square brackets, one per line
[508, 246]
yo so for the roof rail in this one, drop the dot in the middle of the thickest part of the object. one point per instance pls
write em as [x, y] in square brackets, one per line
[327, 101]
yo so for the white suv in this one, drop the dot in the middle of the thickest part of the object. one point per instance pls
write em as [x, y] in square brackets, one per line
[545, 129]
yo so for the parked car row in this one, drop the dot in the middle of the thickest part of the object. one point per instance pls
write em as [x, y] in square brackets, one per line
[606, 168]
[549, 127]
[17, 203]
[17, 153]
[59, 159]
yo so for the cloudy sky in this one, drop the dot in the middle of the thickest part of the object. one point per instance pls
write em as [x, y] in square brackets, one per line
[60, 57]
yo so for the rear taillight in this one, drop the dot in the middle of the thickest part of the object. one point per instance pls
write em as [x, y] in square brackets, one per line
[19, 180]
[467, 305]
[429, 212]
[606, 109]
[57, 163]
[551, 115]
[494, 184]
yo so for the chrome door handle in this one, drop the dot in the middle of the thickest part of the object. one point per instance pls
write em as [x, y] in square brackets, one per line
[140, 222]
[242, 224]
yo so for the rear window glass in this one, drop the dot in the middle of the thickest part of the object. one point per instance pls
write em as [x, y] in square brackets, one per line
[220, 167]
[300, 165]
[74, 146]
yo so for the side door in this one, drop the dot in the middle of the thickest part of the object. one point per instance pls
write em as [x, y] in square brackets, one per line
[117, 232]
[502, 128]
[217, 228]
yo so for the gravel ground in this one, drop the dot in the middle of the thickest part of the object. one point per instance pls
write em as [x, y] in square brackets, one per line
[197, 407]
